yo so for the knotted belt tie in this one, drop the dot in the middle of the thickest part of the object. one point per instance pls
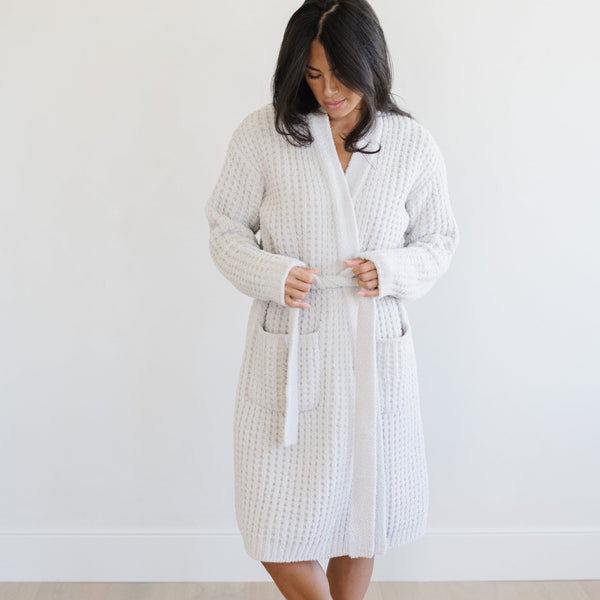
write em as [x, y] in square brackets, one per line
[365, 364]
[367, 444]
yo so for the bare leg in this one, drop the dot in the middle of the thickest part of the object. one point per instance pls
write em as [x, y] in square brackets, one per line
[300, 580]
[349, 577]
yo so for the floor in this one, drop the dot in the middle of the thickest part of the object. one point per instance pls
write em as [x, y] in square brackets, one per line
[461, 590]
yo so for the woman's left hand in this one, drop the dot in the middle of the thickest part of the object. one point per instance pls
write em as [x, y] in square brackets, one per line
[367, 276]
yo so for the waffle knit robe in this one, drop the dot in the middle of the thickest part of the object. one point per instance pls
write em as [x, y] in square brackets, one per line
[329, 455]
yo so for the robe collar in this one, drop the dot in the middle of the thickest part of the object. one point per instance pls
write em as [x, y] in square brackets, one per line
[344, 188]
[360, 164]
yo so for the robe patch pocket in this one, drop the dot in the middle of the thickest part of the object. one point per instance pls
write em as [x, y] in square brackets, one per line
[397, 373]
[267, 374]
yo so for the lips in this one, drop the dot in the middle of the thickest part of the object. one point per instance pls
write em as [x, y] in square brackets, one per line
[335, 104]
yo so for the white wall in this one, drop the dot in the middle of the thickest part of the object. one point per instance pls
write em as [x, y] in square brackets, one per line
[120, 341]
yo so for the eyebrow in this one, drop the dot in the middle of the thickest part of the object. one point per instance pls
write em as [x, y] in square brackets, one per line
[313, 68]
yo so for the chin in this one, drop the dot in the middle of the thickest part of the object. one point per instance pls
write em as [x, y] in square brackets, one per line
[344, 112]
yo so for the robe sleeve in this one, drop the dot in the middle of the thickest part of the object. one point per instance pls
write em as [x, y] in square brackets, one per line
[430, 240]
[232, 211]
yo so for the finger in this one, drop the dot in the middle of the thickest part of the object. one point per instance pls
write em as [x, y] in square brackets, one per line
[307, 269]
[374, 292]
[305, 275]
[295, 303]
[364, 267]
[294, 293]
[370, 285]
[302, 280]
[368, 276]
[354, 263]
[298, 285]
[355, 260]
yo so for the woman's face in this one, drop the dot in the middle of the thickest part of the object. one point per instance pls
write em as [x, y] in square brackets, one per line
[326, 88]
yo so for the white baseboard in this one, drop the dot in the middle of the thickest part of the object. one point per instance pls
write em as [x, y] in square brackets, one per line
[147, 557]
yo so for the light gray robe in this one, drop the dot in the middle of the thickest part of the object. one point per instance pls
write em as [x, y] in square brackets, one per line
[329, 448]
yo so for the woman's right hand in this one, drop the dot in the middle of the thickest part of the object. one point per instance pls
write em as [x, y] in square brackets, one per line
[297, 286]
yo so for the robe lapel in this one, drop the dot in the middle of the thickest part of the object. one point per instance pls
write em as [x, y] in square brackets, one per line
[345, 187]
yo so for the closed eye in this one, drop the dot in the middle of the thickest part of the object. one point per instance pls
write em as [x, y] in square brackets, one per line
[313, 76]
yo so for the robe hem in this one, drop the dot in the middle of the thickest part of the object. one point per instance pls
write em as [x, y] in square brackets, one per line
[260, 551]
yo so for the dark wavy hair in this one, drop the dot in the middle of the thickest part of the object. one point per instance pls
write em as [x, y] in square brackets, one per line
[357, 53]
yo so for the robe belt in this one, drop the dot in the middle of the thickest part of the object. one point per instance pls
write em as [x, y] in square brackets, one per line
[365, 532]
[365, 327]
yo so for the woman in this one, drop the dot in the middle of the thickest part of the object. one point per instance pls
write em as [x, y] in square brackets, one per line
[350, 195]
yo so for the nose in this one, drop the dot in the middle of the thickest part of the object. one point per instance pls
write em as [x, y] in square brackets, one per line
[331, 86]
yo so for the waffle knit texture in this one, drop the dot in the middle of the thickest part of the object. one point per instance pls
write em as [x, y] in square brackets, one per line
[353, 479]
